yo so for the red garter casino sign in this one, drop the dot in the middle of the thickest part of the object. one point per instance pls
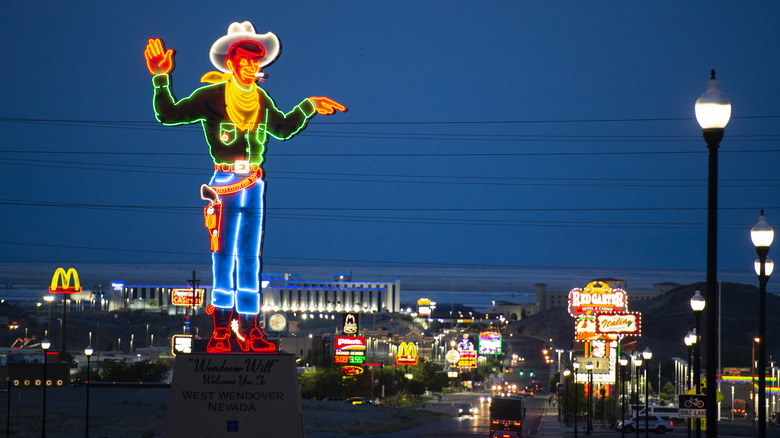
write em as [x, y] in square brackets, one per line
[597, 297]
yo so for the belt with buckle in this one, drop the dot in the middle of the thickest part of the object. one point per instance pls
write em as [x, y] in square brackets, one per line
[240, 167]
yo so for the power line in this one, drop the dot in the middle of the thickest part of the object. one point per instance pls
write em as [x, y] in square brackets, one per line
[398, 155]
[360, 261]
[172, 170]
[387, 122]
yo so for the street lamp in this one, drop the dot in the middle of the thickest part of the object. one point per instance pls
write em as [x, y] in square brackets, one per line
[713, 111]
[576, 366]
[637, 364]
[754, 395]
[48, 299]
[647, 355]
[690, 341]
[45, 345]
[87, 352]
[589, 424]
[697, 305]
[566, 374]
[762, 235]
[623, 361]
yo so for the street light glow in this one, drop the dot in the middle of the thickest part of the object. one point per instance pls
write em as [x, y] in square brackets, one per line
[713, 109]
[698, 302]
[762, 234]
[769, 267]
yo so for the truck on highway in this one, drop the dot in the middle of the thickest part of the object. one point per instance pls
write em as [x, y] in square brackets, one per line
[507, 413]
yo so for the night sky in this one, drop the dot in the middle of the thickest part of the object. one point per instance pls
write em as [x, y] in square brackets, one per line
[496, 134]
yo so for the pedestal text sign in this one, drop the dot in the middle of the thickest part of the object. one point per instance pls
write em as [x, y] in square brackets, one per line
[234, 395]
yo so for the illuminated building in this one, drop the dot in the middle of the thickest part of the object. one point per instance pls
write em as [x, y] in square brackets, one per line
[547, 299]
[281, 293]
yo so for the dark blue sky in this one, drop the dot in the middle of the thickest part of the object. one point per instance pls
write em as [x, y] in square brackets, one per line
[500, 134]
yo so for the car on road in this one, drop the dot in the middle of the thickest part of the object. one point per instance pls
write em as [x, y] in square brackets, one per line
[774, 419]
[656, 423]
[466, 409]
[504, 434]
[357, 401]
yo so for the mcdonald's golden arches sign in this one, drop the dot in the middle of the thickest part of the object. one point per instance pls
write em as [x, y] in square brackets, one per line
[64, 278]
[407, 354]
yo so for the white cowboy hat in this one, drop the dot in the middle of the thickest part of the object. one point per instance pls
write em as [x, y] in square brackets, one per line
[239, 32]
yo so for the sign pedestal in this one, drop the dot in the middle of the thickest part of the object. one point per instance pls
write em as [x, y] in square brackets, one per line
[234, 395]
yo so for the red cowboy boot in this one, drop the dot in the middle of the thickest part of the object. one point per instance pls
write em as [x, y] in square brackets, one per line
[250, 337]
[220, 337]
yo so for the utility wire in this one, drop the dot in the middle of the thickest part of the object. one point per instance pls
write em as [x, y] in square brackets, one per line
[174, 170]
[363, 261]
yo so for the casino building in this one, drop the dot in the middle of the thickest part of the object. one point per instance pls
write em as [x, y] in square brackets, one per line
[281, 293]
[547, 299]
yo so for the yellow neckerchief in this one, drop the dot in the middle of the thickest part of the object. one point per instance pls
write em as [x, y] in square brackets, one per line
[243, 106]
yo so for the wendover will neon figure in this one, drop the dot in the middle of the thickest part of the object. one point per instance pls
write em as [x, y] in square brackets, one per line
[237, 117]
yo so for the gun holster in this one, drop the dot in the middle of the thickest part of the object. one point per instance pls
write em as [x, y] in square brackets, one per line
[212, 214]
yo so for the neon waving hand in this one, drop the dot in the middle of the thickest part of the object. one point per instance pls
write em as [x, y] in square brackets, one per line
[158, 60]
[327, 106]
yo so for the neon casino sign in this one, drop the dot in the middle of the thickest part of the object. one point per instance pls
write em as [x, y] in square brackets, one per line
[624, 323]
[597, 297]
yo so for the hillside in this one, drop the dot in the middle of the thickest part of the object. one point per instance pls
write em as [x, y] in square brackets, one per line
[667, 318]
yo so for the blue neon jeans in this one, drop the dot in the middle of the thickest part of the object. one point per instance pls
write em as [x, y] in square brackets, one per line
[238, 263]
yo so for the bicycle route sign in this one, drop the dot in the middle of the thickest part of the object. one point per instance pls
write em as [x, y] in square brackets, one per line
[692, 406]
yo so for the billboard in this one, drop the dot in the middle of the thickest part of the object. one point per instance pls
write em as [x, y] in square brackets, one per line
[604, 370]
[623, 323]
[64, 277]
[183, 297]
[467, 359]
[349, 350]
[407, 354]
[490, 342]
[350, 323]
[597, 297]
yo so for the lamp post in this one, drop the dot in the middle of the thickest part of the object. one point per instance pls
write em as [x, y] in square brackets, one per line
[690, 341]
[45, 345]
[576, 366]
[566, 374]
[697, 305]
[637, 364]
[713, 111]
[87, 352]
[589, 423]
[48, 299]
[623, 361]
[754, 395]
[647, 355]
[762, 235]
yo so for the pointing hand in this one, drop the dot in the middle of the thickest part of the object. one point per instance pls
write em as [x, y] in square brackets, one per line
[327, 106]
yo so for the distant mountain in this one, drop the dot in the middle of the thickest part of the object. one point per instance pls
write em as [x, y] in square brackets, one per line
[667, 318]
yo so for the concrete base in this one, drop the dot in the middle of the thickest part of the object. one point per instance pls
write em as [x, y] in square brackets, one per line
[234, 395]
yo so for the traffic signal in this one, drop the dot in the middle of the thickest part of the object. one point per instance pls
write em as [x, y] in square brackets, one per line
[531, 373]
[522, 373]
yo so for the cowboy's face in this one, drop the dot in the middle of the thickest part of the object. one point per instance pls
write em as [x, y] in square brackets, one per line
[244, 65]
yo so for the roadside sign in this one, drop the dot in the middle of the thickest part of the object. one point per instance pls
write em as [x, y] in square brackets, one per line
[703, 388]
[692, 406]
